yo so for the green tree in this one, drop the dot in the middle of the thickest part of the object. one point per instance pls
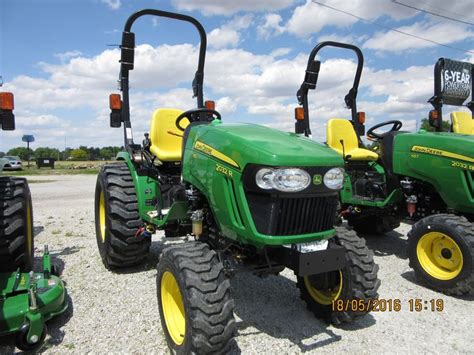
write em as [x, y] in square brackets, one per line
[21, 152]
[106, 153]
[79, 154]
[45, 152]
[425, 124]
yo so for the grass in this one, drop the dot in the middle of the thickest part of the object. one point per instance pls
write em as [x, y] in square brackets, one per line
[33, 181]
[60, 168]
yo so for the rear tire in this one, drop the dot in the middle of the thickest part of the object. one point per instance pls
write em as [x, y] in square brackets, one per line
[16, 225]
[356, 281]
[117, 219]
[441, 252]
[196, 308]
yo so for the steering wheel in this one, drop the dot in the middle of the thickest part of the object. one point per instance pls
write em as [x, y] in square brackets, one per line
[196, 114]
[396, 125]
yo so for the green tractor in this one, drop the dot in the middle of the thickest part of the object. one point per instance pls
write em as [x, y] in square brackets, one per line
[27, 298]
[424, 178]
[246, 198]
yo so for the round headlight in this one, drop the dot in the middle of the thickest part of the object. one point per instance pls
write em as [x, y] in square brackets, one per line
[334, 178]
[291, 180]
[264, 178]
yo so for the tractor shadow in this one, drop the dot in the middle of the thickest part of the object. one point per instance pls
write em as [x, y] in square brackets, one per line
[37, 230]
[149, 263]
[55, 332]
[391, 243]
[410, 277]
[272, 306]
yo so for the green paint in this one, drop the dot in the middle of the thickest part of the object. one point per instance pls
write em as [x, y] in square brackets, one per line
[317, 179]
[221, 182]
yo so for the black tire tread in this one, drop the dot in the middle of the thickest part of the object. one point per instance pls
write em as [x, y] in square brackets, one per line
[465, 228]
[362, 272]
[14, 198]
[207, 290]
[125, 249]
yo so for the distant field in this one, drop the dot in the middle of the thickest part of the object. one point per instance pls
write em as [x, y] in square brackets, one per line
[60, 168]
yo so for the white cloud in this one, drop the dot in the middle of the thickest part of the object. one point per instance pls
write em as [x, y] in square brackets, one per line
[310, 17]
[280, 52]
[65, 56]
[113, 4]
[223, 37]
[271, 26]
[229, 34]
[444, 33]
[263, 87]
[220, 7]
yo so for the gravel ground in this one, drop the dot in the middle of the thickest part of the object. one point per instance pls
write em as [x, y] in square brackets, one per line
[117, 312]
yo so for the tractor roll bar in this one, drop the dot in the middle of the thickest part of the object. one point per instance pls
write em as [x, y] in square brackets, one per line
[128, 54]
[311, 78]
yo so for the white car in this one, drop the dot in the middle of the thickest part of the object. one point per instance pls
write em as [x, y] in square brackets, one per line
[11, 163]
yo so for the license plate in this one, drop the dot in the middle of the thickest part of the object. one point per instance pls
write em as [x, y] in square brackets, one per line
[313, 246]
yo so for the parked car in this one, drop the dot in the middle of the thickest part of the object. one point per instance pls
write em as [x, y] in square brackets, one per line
[11, 163]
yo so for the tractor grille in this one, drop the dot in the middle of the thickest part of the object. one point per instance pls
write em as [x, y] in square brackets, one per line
[284, 216]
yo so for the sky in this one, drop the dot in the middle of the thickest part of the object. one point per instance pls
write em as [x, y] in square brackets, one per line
[60, 59]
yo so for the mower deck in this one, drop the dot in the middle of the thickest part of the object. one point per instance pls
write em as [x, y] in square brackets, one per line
[28, 300]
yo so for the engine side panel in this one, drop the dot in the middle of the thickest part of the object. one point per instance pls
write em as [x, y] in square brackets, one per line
[444, 160]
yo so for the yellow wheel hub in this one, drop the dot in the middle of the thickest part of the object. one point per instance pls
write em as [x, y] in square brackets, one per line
[29, 229]
[439, 255]
[102, 215]
[324, 296]
[173, 307]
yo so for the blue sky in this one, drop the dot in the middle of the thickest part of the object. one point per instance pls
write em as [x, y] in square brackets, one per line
[55, 55]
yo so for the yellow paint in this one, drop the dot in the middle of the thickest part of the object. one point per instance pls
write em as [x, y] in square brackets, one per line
[440, 153]
[173, 308]
[430, 249]
[206, 149]
[462, 122]
[324, 297]
[341, 129]
[166, 146]
[223, 170]
[102, 223]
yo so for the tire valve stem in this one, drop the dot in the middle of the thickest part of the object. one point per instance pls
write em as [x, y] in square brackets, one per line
[196, 218]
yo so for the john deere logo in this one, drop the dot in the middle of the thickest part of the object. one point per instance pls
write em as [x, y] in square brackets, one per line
[317, 179]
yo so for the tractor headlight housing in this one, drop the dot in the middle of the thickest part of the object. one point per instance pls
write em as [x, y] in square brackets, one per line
[334, 178]
[284, 179]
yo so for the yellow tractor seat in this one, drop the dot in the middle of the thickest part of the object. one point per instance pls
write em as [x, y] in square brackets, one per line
[166, 138]
[462, 122]
[341, 129]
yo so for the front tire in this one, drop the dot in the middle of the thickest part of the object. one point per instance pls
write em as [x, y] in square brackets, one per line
[196, 308]
[16, 225]
[356, 281]
[441, 252]
[117, 219]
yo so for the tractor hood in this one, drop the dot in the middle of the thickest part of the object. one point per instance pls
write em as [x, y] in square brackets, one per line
[443, 144]
[254, 144]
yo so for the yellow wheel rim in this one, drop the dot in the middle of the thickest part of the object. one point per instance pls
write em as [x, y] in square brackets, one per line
[102, 216]
[439, 255]
[173, 308]
[29, 229]
[324, 296]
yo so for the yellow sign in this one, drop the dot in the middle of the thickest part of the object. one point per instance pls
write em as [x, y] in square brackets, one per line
[441, 153]
[206, 149]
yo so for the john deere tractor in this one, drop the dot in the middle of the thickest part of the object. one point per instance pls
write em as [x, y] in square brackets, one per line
[27, 299]
[248, 198]
[424, 178]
